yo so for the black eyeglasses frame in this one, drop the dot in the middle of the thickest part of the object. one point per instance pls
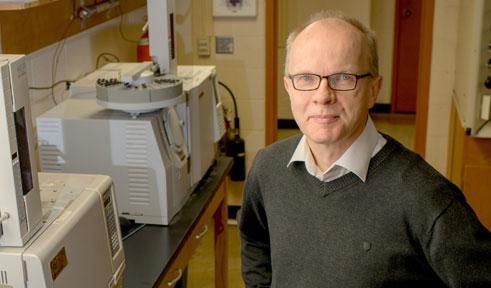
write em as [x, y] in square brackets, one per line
[357, 76]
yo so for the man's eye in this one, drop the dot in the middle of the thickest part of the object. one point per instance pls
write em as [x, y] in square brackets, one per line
[306, 78]
[339, 77]
[345, 77]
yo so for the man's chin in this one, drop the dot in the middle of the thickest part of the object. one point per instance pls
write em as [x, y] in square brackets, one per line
[326, 139]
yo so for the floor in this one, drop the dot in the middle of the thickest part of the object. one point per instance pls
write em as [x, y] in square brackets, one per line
[201, 268]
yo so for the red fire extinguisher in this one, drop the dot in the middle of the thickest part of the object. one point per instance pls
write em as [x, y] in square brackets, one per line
[143, 47]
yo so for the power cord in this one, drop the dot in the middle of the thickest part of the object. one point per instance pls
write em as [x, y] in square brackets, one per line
[236, 118]
[235, 146]
[56, 58]
[67, 83]
[482, 126]
[103, 56]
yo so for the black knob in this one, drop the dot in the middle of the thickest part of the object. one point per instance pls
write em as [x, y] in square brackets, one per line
[487, 83]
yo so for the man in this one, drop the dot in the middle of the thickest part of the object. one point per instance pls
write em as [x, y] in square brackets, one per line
[343, 205]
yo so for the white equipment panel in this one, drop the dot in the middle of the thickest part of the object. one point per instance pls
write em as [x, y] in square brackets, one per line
[149, 168]
[80, 242]
[205, 116]
[20, 205]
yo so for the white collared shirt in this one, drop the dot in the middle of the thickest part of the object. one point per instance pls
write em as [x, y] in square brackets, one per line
[355, 159]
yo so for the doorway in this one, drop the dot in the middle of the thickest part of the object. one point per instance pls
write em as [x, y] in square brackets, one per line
[406, 56]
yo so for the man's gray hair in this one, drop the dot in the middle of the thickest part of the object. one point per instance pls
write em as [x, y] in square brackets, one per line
[333, 14]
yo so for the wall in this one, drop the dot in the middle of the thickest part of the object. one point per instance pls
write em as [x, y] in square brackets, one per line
[441, 82]
[382, 22]
[243, 71]
[77, 56]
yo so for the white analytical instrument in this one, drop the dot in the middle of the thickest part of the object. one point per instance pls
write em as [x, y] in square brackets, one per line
[79, 244]
[65, 234]
[155, 159]
[151, 126]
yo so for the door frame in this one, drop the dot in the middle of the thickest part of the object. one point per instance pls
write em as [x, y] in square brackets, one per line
[271, 95]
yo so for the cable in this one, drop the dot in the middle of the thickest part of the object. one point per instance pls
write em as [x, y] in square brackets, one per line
[236, 118]
[56, 58]
[67, 82]
[482, 126]
[102, 55]
[121, 27]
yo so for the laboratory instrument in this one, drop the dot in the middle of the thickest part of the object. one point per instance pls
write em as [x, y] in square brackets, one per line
[65, 234]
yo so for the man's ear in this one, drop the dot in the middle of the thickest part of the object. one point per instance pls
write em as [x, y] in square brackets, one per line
[287, 83]
[375, 87]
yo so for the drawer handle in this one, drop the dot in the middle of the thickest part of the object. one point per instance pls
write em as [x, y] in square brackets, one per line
[205, 229]
[174, 281]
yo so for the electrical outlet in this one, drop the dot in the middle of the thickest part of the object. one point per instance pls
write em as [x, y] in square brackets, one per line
[486, 107]
[234, 8]
[204, 46]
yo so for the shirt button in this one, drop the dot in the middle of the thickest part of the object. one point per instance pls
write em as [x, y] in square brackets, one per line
[367, 246]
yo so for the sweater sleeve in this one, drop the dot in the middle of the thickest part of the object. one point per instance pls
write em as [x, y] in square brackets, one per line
[459, 247]
[254, 235]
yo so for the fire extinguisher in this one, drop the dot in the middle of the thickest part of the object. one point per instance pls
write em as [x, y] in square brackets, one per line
[143, 47]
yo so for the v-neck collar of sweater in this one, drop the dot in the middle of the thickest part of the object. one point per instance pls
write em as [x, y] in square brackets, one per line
[349, 179]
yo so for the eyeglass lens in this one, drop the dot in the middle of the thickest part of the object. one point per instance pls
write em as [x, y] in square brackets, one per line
[338, 82]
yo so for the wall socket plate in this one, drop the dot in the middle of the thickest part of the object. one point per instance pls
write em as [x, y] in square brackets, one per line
[486, 107]
[204, 46]
[234, 8]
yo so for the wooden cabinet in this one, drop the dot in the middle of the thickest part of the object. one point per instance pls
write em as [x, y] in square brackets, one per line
[470, 169]
[27, 27]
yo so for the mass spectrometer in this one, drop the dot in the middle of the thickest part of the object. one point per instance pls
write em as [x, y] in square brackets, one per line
[155, 134]
[65, 234]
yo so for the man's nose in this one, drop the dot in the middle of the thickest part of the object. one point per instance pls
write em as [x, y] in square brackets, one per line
[324, 94]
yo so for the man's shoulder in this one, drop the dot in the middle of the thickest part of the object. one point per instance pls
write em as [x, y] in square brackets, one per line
[415, 178]
[279, 152]
[407, 163]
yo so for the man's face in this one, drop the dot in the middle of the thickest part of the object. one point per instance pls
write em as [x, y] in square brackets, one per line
[327, 117]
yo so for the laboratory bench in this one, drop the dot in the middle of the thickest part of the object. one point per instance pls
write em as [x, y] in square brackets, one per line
[157, 256]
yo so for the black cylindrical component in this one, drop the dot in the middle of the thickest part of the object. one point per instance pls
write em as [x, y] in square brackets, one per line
[236, 149]
[487, 83]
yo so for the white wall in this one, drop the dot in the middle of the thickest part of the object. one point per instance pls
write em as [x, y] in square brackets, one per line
[441, 82]
[77, 56]
[382, 22]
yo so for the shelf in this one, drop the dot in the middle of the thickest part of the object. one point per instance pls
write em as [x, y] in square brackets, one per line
[35, 24]
[22, 5]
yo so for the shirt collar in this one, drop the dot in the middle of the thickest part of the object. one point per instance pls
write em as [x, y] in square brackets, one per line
[355, 159]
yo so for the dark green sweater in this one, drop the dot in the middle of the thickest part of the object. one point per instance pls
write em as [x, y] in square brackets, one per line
[406, 226]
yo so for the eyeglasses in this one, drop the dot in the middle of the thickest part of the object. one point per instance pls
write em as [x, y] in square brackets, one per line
[337, 82]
